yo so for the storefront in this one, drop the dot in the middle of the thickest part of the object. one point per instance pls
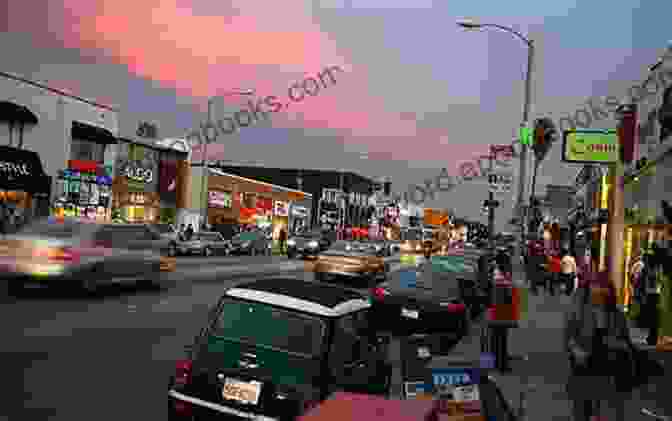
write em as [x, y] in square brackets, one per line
[242, 201]
[85, 189]
[24, 187]
[135, 188]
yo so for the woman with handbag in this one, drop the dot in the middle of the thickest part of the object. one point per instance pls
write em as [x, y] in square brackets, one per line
[604, 364]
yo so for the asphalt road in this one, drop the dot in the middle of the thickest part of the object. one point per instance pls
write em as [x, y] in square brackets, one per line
[109, 357]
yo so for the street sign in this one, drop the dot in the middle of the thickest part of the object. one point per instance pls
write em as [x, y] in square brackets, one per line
[590, 146]
[501, 182]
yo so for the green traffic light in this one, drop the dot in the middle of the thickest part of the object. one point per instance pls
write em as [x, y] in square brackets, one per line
[525, 136]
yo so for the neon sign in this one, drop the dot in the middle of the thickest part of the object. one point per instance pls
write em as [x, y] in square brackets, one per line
[140, 175]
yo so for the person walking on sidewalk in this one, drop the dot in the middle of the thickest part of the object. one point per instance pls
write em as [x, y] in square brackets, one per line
[568, 271]
[553, 272]
[282, 238]
[604, 364]
[534, 265]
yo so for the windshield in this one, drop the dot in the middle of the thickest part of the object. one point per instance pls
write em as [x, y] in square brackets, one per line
[164, 228]
[411, 235]
[53, 228]
[266, 326]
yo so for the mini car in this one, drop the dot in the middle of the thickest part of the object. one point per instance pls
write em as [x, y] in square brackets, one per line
[351, 260]
[274, 348]
[205, 243]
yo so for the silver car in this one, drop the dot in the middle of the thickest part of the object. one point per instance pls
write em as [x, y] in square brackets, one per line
[63, 253]
[205, 243]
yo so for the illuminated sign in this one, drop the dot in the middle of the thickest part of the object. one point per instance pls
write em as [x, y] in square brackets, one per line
[590, 146]
[281, 208]
[139, 174]
[219, 199]
[14, 168]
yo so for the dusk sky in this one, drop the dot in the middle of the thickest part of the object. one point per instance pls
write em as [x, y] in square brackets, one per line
[417, 93]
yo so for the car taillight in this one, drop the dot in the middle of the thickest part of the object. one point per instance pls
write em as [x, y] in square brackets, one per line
[456, 308]
[183, 372]
[380, 293]
[310, 404]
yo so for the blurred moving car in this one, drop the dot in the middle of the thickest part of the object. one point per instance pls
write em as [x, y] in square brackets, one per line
[206, 243]
[251, 243]
[274, 348]
[307, 244]
[68, 252]
[169, 232]
[419, 301]
[353, 261]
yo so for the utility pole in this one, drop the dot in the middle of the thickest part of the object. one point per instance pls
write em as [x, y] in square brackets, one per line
[491, 209]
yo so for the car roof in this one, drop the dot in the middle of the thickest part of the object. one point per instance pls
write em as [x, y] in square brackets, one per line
[296, 294]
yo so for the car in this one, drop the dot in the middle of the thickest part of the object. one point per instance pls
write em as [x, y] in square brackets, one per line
[170, 232]
[421, 301]
[274, 348]
[205, 243]
[353, 261]
[70, 252]
[382, 247]
[307, 245]
[251, 243]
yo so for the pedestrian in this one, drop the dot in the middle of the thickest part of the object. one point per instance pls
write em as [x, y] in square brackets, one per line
[535, 262]
[553, 272]
[282, 238]
[649, 292]
[604, 364]
[568, 271]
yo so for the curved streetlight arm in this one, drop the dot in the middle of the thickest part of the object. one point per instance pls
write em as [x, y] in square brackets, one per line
[509, 30]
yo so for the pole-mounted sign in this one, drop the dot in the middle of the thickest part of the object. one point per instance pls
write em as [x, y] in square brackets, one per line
[590, 146]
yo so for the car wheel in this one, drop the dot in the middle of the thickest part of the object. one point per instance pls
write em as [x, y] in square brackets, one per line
[253, 252]
[207, 252]
[291, 255]
[172, 250]
[319, 277]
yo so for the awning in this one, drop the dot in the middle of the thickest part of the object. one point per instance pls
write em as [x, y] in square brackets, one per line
[22, 170]
[91, 133]
[10, 111]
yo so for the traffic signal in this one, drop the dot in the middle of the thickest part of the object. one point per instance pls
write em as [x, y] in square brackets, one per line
[545, 134]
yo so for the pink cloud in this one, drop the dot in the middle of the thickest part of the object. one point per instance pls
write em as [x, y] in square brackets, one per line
[208, 47]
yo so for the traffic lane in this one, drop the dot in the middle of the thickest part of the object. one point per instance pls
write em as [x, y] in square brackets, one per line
[109, 358]
[224, 260]
[117, 348]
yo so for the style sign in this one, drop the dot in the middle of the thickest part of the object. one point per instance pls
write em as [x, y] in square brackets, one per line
[281, 208]
[590, 146]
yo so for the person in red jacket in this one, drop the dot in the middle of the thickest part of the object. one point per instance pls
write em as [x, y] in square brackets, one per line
[553, 272]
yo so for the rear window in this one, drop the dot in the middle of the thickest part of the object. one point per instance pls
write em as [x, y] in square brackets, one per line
[53, 228]
[270, 327]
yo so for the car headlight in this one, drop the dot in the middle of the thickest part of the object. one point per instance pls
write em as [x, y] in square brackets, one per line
[246, 244]
[378, 248]
[312, 244]
[291, 243]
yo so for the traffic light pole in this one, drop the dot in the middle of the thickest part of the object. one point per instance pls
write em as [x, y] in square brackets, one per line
[522, 173]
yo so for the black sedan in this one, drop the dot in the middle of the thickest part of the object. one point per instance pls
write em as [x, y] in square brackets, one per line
[417, 301]
[308, 244]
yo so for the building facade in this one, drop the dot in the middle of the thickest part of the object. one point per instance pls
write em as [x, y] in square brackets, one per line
[337, 197]
[64, 141]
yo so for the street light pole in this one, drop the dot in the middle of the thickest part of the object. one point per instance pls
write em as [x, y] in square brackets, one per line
[526, 111]
[204, 150]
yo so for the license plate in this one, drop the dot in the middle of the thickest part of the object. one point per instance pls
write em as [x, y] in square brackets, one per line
[244, 392]
[411, 314]
[33, 285]
[466, 393]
